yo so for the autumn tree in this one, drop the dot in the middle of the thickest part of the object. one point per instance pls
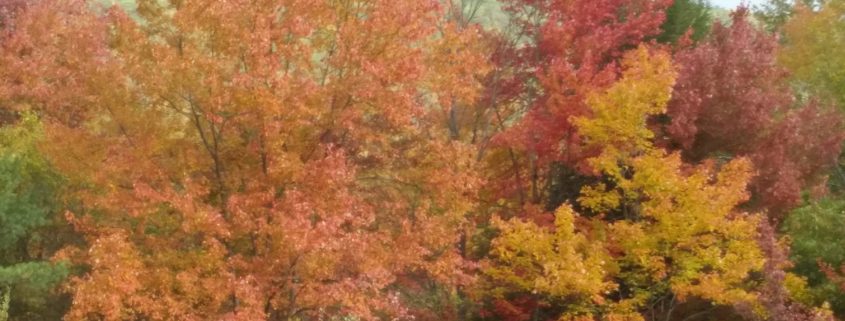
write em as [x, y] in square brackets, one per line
[676, 235]
[773, 14]
[29, 201]
[8, 10]
[733, 100]
[547, 59]
[563, 50]
[247, 160]
[812, 50]
[361, 160]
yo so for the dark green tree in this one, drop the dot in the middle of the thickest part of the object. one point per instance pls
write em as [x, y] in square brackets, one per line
[27, 198]
[684, 16]
[815, 231]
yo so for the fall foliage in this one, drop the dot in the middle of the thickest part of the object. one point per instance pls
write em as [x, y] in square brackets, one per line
[505, 160]
[732, 99]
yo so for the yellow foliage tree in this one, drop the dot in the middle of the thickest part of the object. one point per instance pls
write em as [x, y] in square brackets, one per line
[665, 231]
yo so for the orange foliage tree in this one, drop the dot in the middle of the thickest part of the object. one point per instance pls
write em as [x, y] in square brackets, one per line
[252, 160]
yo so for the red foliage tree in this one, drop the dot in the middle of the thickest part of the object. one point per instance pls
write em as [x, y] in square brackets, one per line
[563, 51]
[577, 50]
[733, 99]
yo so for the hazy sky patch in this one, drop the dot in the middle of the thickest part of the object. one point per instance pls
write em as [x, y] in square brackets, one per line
[730, 4]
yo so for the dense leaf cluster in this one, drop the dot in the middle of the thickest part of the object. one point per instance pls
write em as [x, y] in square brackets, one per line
[413, 160]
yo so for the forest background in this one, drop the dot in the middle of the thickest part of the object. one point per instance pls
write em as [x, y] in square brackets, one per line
[422, 160]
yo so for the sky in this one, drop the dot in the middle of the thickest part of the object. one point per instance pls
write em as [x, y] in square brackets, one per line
[730, 4]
